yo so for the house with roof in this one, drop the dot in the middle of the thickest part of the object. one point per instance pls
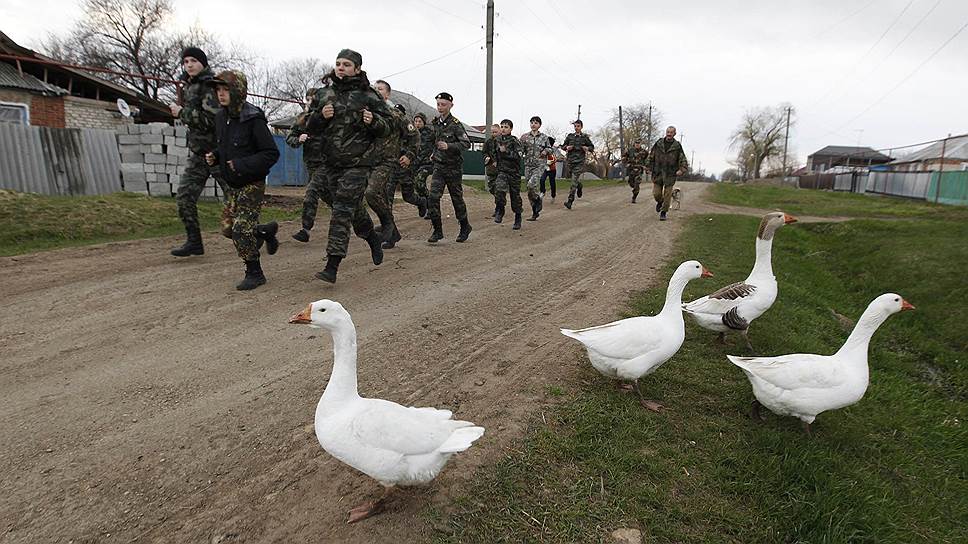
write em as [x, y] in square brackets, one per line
[37, 90]
[946, 155]
[845, 156]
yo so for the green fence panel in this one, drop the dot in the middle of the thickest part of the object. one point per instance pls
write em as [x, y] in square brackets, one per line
[948, 188]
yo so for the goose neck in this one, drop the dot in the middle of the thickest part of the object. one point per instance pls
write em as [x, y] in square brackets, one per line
[673, 301]
[342, 382]
[764, 258]
[859, 339]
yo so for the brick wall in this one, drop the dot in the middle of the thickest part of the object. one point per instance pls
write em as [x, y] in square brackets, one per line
[45, 111]
[87, 113]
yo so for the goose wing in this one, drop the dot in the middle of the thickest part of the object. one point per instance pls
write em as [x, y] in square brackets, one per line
[623, 339]
[723, 300]
[792, 372]
[404, 430]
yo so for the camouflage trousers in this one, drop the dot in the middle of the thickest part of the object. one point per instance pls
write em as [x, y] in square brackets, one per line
[316, 190]
[376, 195]
[662, 192]
[490, 178]
[532, 175]
[404, 178]
[240, 216]
[635, 179]
[347, 187]
[508, 183]
[576, 171]
[190, 186]
[420, 179]
[451, 179]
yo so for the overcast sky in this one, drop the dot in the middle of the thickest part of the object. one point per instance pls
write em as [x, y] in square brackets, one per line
[855, 70]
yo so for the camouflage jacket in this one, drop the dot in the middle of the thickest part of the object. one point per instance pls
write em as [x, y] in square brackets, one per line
[666, 157]
[450, 131]
[577, 155]
[403, 139]
[508, 160]
[312, 147]
[348, 141]
[426, 151]
[489, 150]
[199, 106]
[635, 159]
[535, 149]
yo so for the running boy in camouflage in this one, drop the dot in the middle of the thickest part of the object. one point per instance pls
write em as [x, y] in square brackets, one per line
[312, 155]
[450, 141]
[508, 149]
[577, 146]
[535, 148]
[635, 161]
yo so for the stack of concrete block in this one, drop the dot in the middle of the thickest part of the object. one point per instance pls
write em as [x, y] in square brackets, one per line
[153, 156]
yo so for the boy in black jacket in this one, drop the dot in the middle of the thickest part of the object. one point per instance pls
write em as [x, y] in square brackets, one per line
[244, 154]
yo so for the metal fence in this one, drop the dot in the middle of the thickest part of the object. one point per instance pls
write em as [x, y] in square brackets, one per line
[941, 187]
[59, 161]
[906, 184]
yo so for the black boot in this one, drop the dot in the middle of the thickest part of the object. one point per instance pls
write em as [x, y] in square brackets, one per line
[422, 206]
[494, 213]
[568, 203]
[438, 233]
[465, 230]
[192, 245]
[394, 238]
[376, 247]
[579, 191]
[328, 274]
[517, 222]
[254, 276]
[499, 214]
[302, 235]
[268, 233]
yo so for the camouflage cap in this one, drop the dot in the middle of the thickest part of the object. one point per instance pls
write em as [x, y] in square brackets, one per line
[351, 55]
[238, 86]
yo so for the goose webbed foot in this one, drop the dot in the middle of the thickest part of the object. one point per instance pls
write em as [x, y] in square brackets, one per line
[624, 387]
[646, 403]
[369, 508]
[755, 413]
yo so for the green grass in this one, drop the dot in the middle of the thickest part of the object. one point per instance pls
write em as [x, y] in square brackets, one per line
[30, 222]
[827, 203]
[561, 184]
[891, 468]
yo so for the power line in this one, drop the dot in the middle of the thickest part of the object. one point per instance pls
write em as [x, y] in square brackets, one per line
[908, 35]
[452, 14]
[840, 22]
[445, 55]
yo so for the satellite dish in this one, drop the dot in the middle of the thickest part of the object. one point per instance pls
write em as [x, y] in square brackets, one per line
[124, 108]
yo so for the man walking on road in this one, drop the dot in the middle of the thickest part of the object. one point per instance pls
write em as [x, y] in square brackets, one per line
[450, 140]
[577, 145]
[635, 159]
[535, 149]
[666, 162]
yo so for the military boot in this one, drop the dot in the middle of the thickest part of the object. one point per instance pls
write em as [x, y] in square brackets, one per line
[499, 214]
[328, 274]
[394, 238]
[422, 207]
[267, 233]
[465, 230]
[438, 233]
[254, 276]
[302, 235]
[376, 247]
[517, 222]
[192, 245]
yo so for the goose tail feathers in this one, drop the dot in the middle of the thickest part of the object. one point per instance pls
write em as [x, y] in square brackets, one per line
[461, 439]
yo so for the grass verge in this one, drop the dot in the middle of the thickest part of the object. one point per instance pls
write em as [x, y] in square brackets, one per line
[828, 203]
[891, 468]
[30, 222]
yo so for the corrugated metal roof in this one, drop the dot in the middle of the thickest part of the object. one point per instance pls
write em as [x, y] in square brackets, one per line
[10, 77]
[956, 148]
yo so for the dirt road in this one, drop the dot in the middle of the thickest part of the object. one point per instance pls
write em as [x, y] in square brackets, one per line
[144, 399]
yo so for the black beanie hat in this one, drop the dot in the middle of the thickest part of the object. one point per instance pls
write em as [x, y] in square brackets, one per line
[197, 53]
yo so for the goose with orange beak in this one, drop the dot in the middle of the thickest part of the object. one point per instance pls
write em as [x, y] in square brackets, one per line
[805, 385]
[632, 348]
[735, 306]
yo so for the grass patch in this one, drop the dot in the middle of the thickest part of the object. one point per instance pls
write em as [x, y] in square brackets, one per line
[563, 184]
[891, 468]
[30, 222]
[828, 203]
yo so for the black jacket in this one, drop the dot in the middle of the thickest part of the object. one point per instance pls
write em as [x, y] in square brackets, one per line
[246, 141]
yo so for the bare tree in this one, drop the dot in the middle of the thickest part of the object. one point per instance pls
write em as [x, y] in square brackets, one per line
[639, 123]
[607, 149]
[759, 138]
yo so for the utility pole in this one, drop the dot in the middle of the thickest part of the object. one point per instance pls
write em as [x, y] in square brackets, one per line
[786, 139]
[621, 139]
[650, 125]
[489, 101]
[579, 112]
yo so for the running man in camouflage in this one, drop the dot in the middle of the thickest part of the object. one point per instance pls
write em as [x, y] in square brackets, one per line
[196, 110]
[425, 163]
[508, 181]
[635, 161]
[489, 151]
[312, 148]
[666, 162]
[535, 148]
[450, 142]
[577, 146]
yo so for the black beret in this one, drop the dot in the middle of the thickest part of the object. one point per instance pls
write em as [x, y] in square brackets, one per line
[444, 96]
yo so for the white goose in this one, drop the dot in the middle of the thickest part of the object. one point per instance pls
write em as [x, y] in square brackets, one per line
[804, 385]
[735, 306]
[392, 444]
[633, 347]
